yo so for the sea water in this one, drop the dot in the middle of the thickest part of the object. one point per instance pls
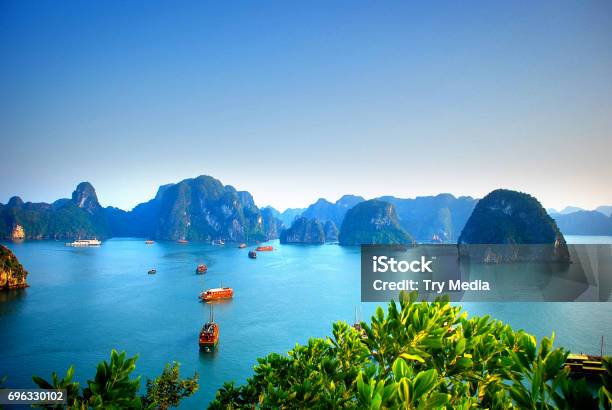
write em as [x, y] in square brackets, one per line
[83, 302]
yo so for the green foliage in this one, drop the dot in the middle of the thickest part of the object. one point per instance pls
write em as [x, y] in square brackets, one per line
[112, 387]
[605, 393]
[418, 355]
[169, 389]
[72, 388]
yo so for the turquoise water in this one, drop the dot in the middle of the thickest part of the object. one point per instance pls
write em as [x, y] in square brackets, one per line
[83, 302]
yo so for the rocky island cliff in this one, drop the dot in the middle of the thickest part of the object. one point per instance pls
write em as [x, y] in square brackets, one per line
[325, 211]
[12, 273]
[198, 209]
[373, 222]
[304, 230]
[511, 226]
[331, 231]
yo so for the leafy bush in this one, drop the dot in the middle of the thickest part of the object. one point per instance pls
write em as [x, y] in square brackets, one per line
[419, 355]
[112, 387]
[169, 389]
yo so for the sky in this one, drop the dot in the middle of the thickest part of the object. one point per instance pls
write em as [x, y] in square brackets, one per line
[294, 101]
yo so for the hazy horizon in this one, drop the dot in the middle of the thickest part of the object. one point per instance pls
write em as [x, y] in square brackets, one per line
[297, 101]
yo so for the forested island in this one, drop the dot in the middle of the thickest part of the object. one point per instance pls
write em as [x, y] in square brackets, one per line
[516, 222]
[373, 222]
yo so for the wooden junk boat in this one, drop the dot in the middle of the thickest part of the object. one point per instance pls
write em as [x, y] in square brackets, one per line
[267, 248]
[209, 335]
[585, 365]
[581, 365]
[202, 268]
[217, 294]
[252, 254]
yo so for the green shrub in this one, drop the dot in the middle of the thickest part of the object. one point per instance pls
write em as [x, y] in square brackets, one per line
[419, 355]
[112, 387]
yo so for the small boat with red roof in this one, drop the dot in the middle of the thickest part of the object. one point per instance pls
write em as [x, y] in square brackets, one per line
[221, 293]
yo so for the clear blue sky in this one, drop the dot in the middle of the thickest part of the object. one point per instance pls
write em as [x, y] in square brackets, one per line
[299, 100]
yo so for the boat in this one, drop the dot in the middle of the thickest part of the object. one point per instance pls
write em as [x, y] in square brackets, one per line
[149, 242]
[252, 254]
[266, 248]
[242, 245]
[218, 242]
[84, 242]
[209, 335]
[152, 271]
[581, 365]
[182, 241]
[202, 268]
[217, 294]
[586, 365]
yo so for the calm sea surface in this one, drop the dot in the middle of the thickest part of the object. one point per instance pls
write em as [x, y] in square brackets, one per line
[83, 302]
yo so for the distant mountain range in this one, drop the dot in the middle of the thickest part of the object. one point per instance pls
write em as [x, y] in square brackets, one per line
[584, 223]
[606, 210]
[573, 220]
[564, 211]
[287, 216]
[426, 217]
[324, 210]
[201, 208]
[442, 216]
[79, 216]
[204, 209]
